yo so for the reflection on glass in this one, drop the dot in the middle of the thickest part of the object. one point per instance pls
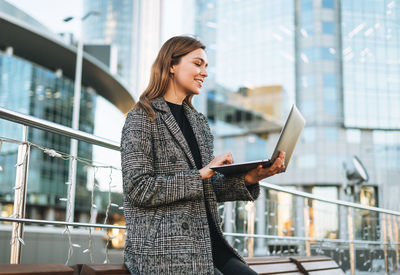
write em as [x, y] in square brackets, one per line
[328, 4]
[324, 221]
[328, 27]
[367, 222]
[353, 136]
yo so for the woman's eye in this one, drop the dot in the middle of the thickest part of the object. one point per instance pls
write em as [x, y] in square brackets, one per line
[197, 64]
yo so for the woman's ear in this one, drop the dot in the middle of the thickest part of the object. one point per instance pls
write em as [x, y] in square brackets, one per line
[172, 69]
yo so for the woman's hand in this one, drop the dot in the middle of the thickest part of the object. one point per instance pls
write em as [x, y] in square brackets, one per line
[206, 172]
[259, 173]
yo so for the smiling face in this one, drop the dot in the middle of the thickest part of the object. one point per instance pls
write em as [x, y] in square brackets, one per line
[189, 73]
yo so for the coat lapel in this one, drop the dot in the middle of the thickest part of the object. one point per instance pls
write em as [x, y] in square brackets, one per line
[169, 120]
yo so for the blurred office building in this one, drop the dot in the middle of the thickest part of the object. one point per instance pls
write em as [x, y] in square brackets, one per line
[339, 62]
[137, 29]
[336, 60]
[36, 79]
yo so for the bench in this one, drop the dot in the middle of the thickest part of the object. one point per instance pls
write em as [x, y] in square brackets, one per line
[103, 269]
[296, 265]
[35, 269]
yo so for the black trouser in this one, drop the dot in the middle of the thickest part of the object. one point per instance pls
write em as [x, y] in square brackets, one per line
[234, 266]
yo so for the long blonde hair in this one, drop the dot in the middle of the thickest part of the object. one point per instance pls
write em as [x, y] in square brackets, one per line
[170, 54]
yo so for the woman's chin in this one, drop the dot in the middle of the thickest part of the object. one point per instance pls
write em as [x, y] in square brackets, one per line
[194, 92]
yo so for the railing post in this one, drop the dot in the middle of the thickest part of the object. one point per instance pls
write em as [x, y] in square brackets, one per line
[350, 229]
[299, 222]
[75, 125]
[20, 198]
[261, 222]
[250, 227]
[228, 223]
[385, 242]
[307, 226]
[390, 234]
[396, 237]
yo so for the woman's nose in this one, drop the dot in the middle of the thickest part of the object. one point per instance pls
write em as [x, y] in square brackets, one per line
[204, 72]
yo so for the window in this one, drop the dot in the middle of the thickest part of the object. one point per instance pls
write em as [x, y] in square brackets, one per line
[328, 27]
[308, 107]
[312, 54]
[306, 5]
[367, 222]
[334, 161]
[331, 133]
[324, 216]
[353, 136]
[309, 134]
[328, 4]
[256, 148]
[308, 80]
[307, 161]
[329, 80]
[330, 106]
[327, 53]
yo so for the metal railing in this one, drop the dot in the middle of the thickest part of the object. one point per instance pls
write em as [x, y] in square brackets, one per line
[260, 220]
[22, 174]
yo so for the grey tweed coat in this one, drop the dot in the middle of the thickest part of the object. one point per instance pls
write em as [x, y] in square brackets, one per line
[165, 197]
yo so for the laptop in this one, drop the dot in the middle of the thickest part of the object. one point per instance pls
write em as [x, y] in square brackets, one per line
[287, 141]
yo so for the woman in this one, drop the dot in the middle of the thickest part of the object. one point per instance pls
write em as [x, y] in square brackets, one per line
[170, 192]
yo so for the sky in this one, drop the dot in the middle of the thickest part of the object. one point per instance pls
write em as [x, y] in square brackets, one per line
[52, 12]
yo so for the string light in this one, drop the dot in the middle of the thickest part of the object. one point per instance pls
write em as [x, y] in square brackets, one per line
[70, 248]
[67, 231]
[107, 260]
[15, 214]
[92, 218]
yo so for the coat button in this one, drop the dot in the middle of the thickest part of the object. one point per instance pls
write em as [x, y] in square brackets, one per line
[173, 159]
[185, 226]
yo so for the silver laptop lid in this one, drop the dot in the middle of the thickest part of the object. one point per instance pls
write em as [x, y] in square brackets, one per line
[290, 135]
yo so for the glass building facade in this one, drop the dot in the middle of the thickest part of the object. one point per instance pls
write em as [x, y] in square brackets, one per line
[338, 61]
[133, 27]
[115, 25]
[31, 89]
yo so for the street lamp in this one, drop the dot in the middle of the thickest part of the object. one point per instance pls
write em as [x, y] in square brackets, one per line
[356, 174]
[75, 118]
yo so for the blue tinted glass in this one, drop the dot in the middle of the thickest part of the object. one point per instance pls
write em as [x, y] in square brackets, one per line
[256, 148]
[329, 93]
[310, 53]
[331, 134]
[334, 161]
[309, 134]
[327, 54]
[308, 80]
[329, 80]
[330, 106]
[328, 4]
[308, 107]
[328, 27]
[307, 22]
[307, 161]
[306, 5]
[307, 30]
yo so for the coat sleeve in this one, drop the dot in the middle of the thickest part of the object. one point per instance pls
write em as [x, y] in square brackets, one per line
[228, 188]
[141, 186]
[233, 188]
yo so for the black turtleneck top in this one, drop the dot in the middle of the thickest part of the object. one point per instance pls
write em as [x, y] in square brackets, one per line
[220, 251]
